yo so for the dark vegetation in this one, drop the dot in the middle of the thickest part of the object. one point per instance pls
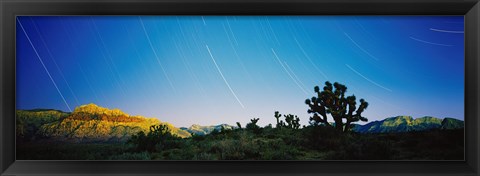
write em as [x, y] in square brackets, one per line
[285, 141]
[309, 143]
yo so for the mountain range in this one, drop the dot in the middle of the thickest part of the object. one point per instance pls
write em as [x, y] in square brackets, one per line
[204, 130]
[408, 123]
[94, 123]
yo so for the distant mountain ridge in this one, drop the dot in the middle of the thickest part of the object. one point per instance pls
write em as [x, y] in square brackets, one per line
[408, 123]
[94, 123]
[204, 130]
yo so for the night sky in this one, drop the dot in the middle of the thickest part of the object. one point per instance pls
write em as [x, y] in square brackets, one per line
[225, 69]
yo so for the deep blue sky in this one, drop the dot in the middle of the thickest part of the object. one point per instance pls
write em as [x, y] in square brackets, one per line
[223, 69]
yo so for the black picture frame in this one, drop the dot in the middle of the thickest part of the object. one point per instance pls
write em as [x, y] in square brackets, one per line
[11, 8]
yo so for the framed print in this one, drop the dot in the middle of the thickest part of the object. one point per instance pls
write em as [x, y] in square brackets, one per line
[284, 87]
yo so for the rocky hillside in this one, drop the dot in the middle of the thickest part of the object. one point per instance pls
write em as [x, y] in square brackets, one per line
[204, 130]
[88, 123]
[407, 123]
[28, 122]
[451, 123]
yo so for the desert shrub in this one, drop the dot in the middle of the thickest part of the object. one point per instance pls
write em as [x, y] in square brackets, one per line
[277, 149]
[185, 153]
[159, 138]
[323, 137]
[232, 148]
[196, 137]
[371, 149]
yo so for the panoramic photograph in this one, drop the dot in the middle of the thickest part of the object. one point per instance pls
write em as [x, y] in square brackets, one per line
[240, 88]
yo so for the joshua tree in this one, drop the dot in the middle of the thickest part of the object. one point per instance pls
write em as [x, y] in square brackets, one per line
[239, 125]
[253, 125]
[334, 102]
[158, 134]
[296, 123]
[253, 122]
[158, 131]
[292, 121]
[282, 124]
[277, 116]
[289, 120]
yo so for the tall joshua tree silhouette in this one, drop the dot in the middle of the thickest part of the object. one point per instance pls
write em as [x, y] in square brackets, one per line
[277, 116]
[334, 102]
